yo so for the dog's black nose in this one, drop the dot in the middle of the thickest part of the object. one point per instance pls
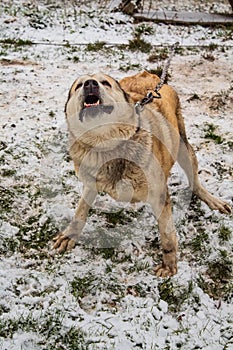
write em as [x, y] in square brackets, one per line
[91, 86]
[91, 82]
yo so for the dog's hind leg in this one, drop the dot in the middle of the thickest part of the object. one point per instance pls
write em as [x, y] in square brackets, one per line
[188, 161]
[163, 212]
[68, 238]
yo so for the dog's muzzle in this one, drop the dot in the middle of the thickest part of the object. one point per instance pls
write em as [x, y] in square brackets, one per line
[92, 104]
[91, 93]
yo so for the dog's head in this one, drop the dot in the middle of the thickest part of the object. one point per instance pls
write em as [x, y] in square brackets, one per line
[97, 106]
[92, 92]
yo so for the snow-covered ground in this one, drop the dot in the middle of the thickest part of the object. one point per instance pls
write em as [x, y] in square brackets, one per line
[104, 295]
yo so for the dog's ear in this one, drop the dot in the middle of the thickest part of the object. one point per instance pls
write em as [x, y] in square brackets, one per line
[67, 101]
[126, 95]
[69, 94]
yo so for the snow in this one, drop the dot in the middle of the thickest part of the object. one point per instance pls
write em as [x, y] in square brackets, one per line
[122, 305]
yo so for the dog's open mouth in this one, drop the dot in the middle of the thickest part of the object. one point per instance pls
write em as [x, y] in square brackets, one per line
[93, 106]
[91, 101]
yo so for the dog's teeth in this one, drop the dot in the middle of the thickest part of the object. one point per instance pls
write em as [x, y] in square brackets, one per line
[86, 105]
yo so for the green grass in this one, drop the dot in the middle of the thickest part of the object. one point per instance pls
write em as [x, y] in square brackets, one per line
[81, 286]
[34, 234]
[221, 268]
[91, 284]
[35, 228]
[75, 59]
[97, 46]
[158, 55]
[199, 242]
[225, 32]
[6, 200]
[107, 253]
[49, 327]
[158, 71]
[137, 289]
[73, 339]
[224, 234]
[52, 114]
[138, 44]
[143, 29]
[217, 281]
[210, 133]
[8, 172]
[31, 235]
[173, 294]
[30, 324]
[3, 309]
[3, 145]
[16, 42]
[212, 47]
[129, 66]
[119, 217]
[116, 218]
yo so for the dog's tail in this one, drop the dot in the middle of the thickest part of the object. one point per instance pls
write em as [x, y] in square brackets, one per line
[188, 161]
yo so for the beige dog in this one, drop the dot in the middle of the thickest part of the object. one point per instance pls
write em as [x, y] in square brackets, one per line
[128, 154]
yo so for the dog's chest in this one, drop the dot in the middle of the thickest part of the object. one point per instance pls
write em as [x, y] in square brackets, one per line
[122, 179]
[122, 172]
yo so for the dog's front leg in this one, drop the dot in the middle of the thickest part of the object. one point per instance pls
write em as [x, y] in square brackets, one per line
[168, 237]
[68, 238]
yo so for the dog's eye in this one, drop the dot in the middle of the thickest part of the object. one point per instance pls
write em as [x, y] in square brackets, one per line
[78, 86]
[106, 83]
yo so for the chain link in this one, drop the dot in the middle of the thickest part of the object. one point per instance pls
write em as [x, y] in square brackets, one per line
[149, 97]
[166, 67]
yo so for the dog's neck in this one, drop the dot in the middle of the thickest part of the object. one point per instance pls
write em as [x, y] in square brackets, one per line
[105, 141]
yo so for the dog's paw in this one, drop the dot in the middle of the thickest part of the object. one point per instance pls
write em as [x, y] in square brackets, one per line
[222, 206]
[165, 271]
[217, 204]
[63, 243]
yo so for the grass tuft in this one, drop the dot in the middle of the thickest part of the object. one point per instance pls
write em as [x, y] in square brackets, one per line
[224, 234]
[211, 134]
[158, 71]
[174, 295]
[16, 42]
[218, 279]
[97, 46]
[50, 327]
[159, 55]
[81, 286]
[138, 44]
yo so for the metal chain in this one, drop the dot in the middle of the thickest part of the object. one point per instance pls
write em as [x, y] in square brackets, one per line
[149, 97]
[165, 68]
